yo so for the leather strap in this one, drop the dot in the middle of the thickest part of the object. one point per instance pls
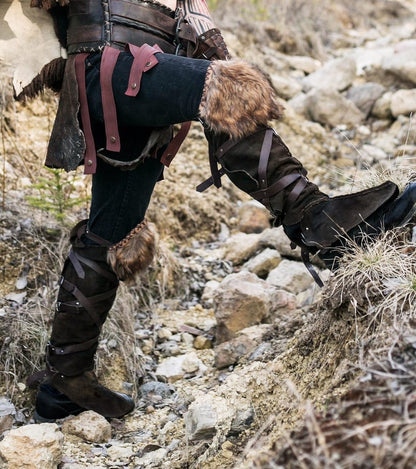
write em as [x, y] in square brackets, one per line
[275, 188]
[173, 147]
[108, 62]
[306, 260]
[90, 158]
[73, 348]
[144, 60]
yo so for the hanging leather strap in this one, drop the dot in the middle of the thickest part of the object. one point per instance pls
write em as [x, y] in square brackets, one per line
[90, 158]
[108, 63]
[173, 147]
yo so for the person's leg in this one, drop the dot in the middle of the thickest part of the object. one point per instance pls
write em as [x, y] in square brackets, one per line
[88, 286]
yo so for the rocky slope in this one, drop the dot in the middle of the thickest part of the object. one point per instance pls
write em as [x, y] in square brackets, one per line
[235, 357]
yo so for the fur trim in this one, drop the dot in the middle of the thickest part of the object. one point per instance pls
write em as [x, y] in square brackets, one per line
[237, 99]
[50, 76]
[133, 254]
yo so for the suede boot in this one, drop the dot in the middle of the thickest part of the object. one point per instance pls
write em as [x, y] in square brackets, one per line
[262, 166]
[87, 291]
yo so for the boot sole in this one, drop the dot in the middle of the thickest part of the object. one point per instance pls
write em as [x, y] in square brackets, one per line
[52, 405]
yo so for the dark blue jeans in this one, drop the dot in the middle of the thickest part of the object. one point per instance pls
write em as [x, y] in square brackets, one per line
[169, 93]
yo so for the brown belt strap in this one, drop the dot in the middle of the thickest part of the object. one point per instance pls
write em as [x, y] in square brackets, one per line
[108, 62]
[90, 158]
[175, 144]
[144, 60]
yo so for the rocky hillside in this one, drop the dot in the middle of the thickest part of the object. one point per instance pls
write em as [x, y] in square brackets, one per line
[235, 357]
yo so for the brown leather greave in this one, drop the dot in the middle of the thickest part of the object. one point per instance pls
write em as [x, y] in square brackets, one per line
[87, 291]
[262, 165]
[211, 46]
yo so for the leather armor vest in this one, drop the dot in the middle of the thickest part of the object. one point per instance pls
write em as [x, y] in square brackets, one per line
[94, 24]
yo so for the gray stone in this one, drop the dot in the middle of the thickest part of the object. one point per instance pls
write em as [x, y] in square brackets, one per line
[276, 238]
[241, 247]
[382, 106]
[304, 63]
[299, 104]
[155, 388]
[264, 262]
[373, 153]
[253, 217]
[7, 413]
[88, 426]
[200, 422]
[364, 96]
[402, 64]
[336, 74]
[329, 107]
[403, 102]
[247, 340]
[291, 276]
[33, 447]
[286, 87]
[243, 419]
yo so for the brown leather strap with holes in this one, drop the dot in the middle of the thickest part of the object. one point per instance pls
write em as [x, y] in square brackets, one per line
[90, 158]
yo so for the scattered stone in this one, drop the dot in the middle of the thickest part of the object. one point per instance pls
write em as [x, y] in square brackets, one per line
[175, 368]
[286, 87]
[402, 65]
[291, 276]
[240, 301]
[253, 217]
[208, 292]
[263, 263]
[403, 101]
[243, 419]
[33, 447]
[276, 238]
[336, 74]
[152, 459]
[7, 413]
[230, 352]
[153, 389]
[201, 342]
[364, 96]
[88, 426]
[118, 451]
[241, 247]
[382, 106]
[164, 333]
[329, 107]
[200, 422]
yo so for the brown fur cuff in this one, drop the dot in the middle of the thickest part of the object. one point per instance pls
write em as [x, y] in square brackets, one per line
[133, 254]
[237, 99]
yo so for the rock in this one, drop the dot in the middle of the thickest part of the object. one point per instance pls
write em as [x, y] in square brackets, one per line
[151, 459]
[240, 247]
[336, 74]
[243, 419]
[285, 87]
[164, 333]
[240, 301]
[403, 102]
[88, 426]
[276, 238]
[200, 422]
[155, 391]
[304, 63]
[329, 107]
[208, 292]
[373, 153]
[202, 343]
[230, 352]
[263, 263]
[175, 368]
[299, 104]
[33, 447]
[7, 413]
[291, 276]
[402, 65]
[382, 107]
[253, 217]
[119, 451]
[243, 300]
[364, 96]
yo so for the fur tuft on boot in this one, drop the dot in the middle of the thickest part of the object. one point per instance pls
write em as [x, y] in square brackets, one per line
[237, 99]
[133, 254]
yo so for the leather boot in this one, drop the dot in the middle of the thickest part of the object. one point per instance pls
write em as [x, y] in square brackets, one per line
[87, 291]
[261, 165]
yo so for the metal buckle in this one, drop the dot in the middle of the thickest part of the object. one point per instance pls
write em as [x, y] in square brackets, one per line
[177, 40]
